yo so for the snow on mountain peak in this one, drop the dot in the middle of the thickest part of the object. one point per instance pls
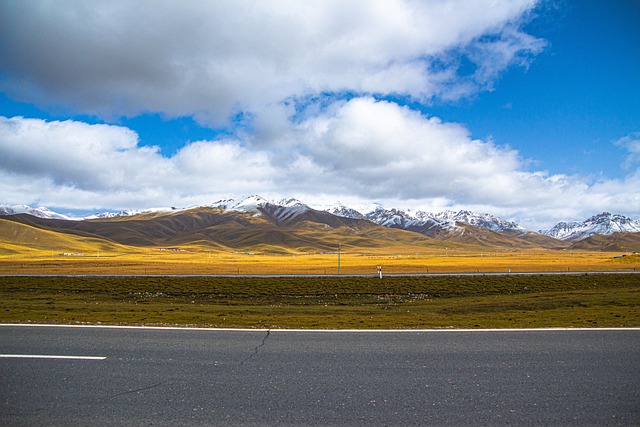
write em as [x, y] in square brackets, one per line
[249, 203]
[482, 220]
[131, 212]
[447, 219]
[390, 217]
[279, 210]
[290, 203]
[40, 212]
[405, 219]
[245, 204]
[339, 209]
[604, 223]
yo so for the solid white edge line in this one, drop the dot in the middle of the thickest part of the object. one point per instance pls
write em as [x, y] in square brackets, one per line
[185, 328]
[49, 356]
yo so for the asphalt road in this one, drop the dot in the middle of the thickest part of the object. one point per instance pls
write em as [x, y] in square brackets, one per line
[208, 377]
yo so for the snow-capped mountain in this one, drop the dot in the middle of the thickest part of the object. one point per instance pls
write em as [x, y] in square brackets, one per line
[131, 212]
[280, 210]
[482, 220]
[341, 210]
[288, 208]
[447, 219]
[389, 217]
[285, 209]
[429, 223]
[604, 223]
[245, 204]
[40, 212]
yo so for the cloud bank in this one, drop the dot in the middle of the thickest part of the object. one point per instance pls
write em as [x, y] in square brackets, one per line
[215, 59]
[313, 83]
[361, 150]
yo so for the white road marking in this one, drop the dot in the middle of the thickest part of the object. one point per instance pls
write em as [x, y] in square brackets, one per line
[186, 328]
[49, 356]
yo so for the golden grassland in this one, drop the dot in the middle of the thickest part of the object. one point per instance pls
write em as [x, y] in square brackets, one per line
[201, 261]
[30, 250]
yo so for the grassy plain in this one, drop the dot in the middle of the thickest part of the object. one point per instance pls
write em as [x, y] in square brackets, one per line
[329, 301]
[584, 300]
[202, 261]
[26, 249]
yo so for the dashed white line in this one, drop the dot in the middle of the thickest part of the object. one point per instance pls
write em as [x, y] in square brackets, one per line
[49, 356]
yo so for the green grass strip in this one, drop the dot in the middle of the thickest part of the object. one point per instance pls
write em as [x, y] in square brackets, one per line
[514, 301]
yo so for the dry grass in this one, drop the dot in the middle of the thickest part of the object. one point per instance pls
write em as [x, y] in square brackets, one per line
[26, 249]
[198, 261]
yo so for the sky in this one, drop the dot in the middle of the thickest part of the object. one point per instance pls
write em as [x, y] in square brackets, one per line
[525, 109]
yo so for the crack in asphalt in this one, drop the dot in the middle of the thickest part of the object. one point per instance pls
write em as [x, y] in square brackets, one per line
[137, 390]
[257, 348]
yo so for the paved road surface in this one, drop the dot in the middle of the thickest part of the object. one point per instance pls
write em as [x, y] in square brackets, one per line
[206, 377]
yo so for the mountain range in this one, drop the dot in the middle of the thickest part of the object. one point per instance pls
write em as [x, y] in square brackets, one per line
[256, 222]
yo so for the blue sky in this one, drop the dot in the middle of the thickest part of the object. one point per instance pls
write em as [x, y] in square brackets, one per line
[577, 97]
[528, 110]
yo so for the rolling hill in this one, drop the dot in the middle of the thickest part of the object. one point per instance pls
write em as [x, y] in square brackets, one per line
[619, 242]
[21, 238]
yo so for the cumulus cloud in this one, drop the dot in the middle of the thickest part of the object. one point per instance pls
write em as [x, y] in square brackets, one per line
[90, 157]
[390, 151]
[359, 150]
[212, 59]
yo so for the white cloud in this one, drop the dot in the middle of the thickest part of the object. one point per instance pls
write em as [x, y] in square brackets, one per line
[631, 143]
[389, 151]
[214, 167]
[211, 59]
[361, 150]
[91, 157]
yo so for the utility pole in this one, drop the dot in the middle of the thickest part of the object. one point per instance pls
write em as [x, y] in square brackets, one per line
[339, 244]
